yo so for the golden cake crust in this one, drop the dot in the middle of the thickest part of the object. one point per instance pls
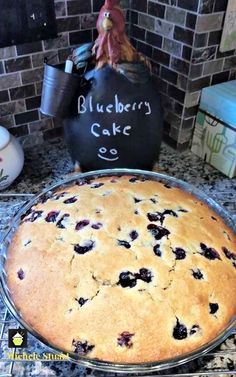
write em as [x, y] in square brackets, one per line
[124, 270]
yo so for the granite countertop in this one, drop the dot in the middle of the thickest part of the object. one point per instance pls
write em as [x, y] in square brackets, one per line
[47, 164]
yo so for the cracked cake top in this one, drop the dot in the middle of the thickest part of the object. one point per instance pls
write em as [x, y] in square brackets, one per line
[123, 269]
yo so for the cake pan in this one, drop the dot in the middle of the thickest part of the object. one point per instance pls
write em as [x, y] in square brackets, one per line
[94, 363]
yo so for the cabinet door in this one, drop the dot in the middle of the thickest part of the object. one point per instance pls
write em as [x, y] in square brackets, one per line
[26, 21]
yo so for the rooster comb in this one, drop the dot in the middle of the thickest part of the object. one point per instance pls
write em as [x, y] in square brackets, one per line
[111, 3]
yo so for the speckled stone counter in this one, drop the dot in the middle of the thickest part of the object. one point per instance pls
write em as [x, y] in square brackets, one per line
[49, 163]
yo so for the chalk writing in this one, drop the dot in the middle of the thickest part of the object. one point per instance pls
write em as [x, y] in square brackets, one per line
[98, 132]
[116, 107]
[113, 152]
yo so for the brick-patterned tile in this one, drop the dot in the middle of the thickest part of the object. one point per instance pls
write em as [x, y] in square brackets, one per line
[79, 37]
[166, 29]
[22, 92]
[203, 54]
[153, 39]
[196, 70]
[176, 93]
[207, 6]
[220, 5]
[55, 43]
[195, 85]
[161, 57]
[191, 21]
[31, 76]
[145, 21]
[188, 4]
[172, 47]
[33, 103]
[26, 117]
[180, 65]
[209, 22]
[215, 38]
[60, 9]
[88, 21]
[19, 64]
[68, 24]
[200, 40]
[144, 49]
[138, 5]
[187, 53]
[183, 35]
[213, 67]
[29, 48]
[218, 78]
[155, 9]
[79, 7]
[169, 75]
[175, 15]
[4, 96]
[133, 17]
[10, 81]
[20, 130]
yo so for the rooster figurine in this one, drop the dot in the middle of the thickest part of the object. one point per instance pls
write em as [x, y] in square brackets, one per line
[115, 119]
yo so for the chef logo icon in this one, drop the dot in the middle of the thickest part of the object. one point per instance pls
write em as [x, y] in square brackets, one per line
[17, 338]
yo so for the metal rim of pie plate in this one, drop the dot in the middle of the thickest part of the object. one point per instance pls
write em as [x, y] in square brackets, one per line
[95, 363]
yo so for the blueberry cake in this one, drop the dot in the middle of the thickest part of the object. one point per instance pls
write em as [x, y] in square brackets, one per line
[123, 269]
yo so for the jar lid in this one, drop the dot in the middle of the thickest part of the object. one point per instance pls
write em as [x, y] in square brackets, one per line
[4, 137]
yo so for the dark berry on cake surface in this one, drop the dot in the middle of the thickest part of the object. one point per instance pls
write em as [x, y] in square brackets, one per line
[228, 254]
[70, 200]
[209, 252]
[83, 182]
[197, 274]
[59, 196]
[145, 275]
[133, 235]
[127, 280]
[180, 331]
[214, 307]
[35, 215]
[82, 224]
[136, 212]
[153, 217]
[125, 339]
[157, 250]
[45, 197]
[60, 224]
[133, 180]
[158, 232]
[125, 244]
[21, 274]
[82, 301]
[179, 253]
[183, 210]
[82, 348]
[136, 200]
[97, 226]
[194, 329]
[89, 245]
[52, 216]
[97, 185]
[213, 218]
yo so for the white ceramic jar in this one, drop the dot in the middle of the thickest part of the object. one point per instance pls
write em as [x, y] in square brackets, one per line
[11, 158]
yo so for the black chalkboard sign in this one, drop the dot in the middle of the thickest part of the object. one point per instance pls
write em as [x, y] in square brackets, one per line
[26, 21]
[115, 123]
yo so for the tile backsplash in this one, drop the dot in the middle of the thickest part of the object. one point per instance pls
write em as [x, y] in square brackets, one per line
[181, 37]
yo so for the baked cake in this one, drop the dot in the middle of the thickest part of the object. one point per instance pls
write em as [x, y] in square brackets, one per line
[123, 269]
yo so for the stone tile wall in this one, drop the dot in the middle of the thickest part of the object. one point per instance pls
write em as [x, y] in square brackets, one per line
[21, 69]
[181, 37]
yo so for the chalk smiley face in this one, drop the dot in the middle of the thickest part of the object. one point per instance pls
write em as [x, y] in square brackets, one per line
[113, 152]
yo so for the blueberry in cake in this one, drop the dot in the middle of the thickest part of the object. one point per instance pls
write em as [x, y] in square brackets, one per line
[131, 269]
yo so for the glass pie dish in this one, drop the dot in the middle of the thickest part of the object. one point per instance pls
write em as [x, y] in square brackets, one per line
[94, 363]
